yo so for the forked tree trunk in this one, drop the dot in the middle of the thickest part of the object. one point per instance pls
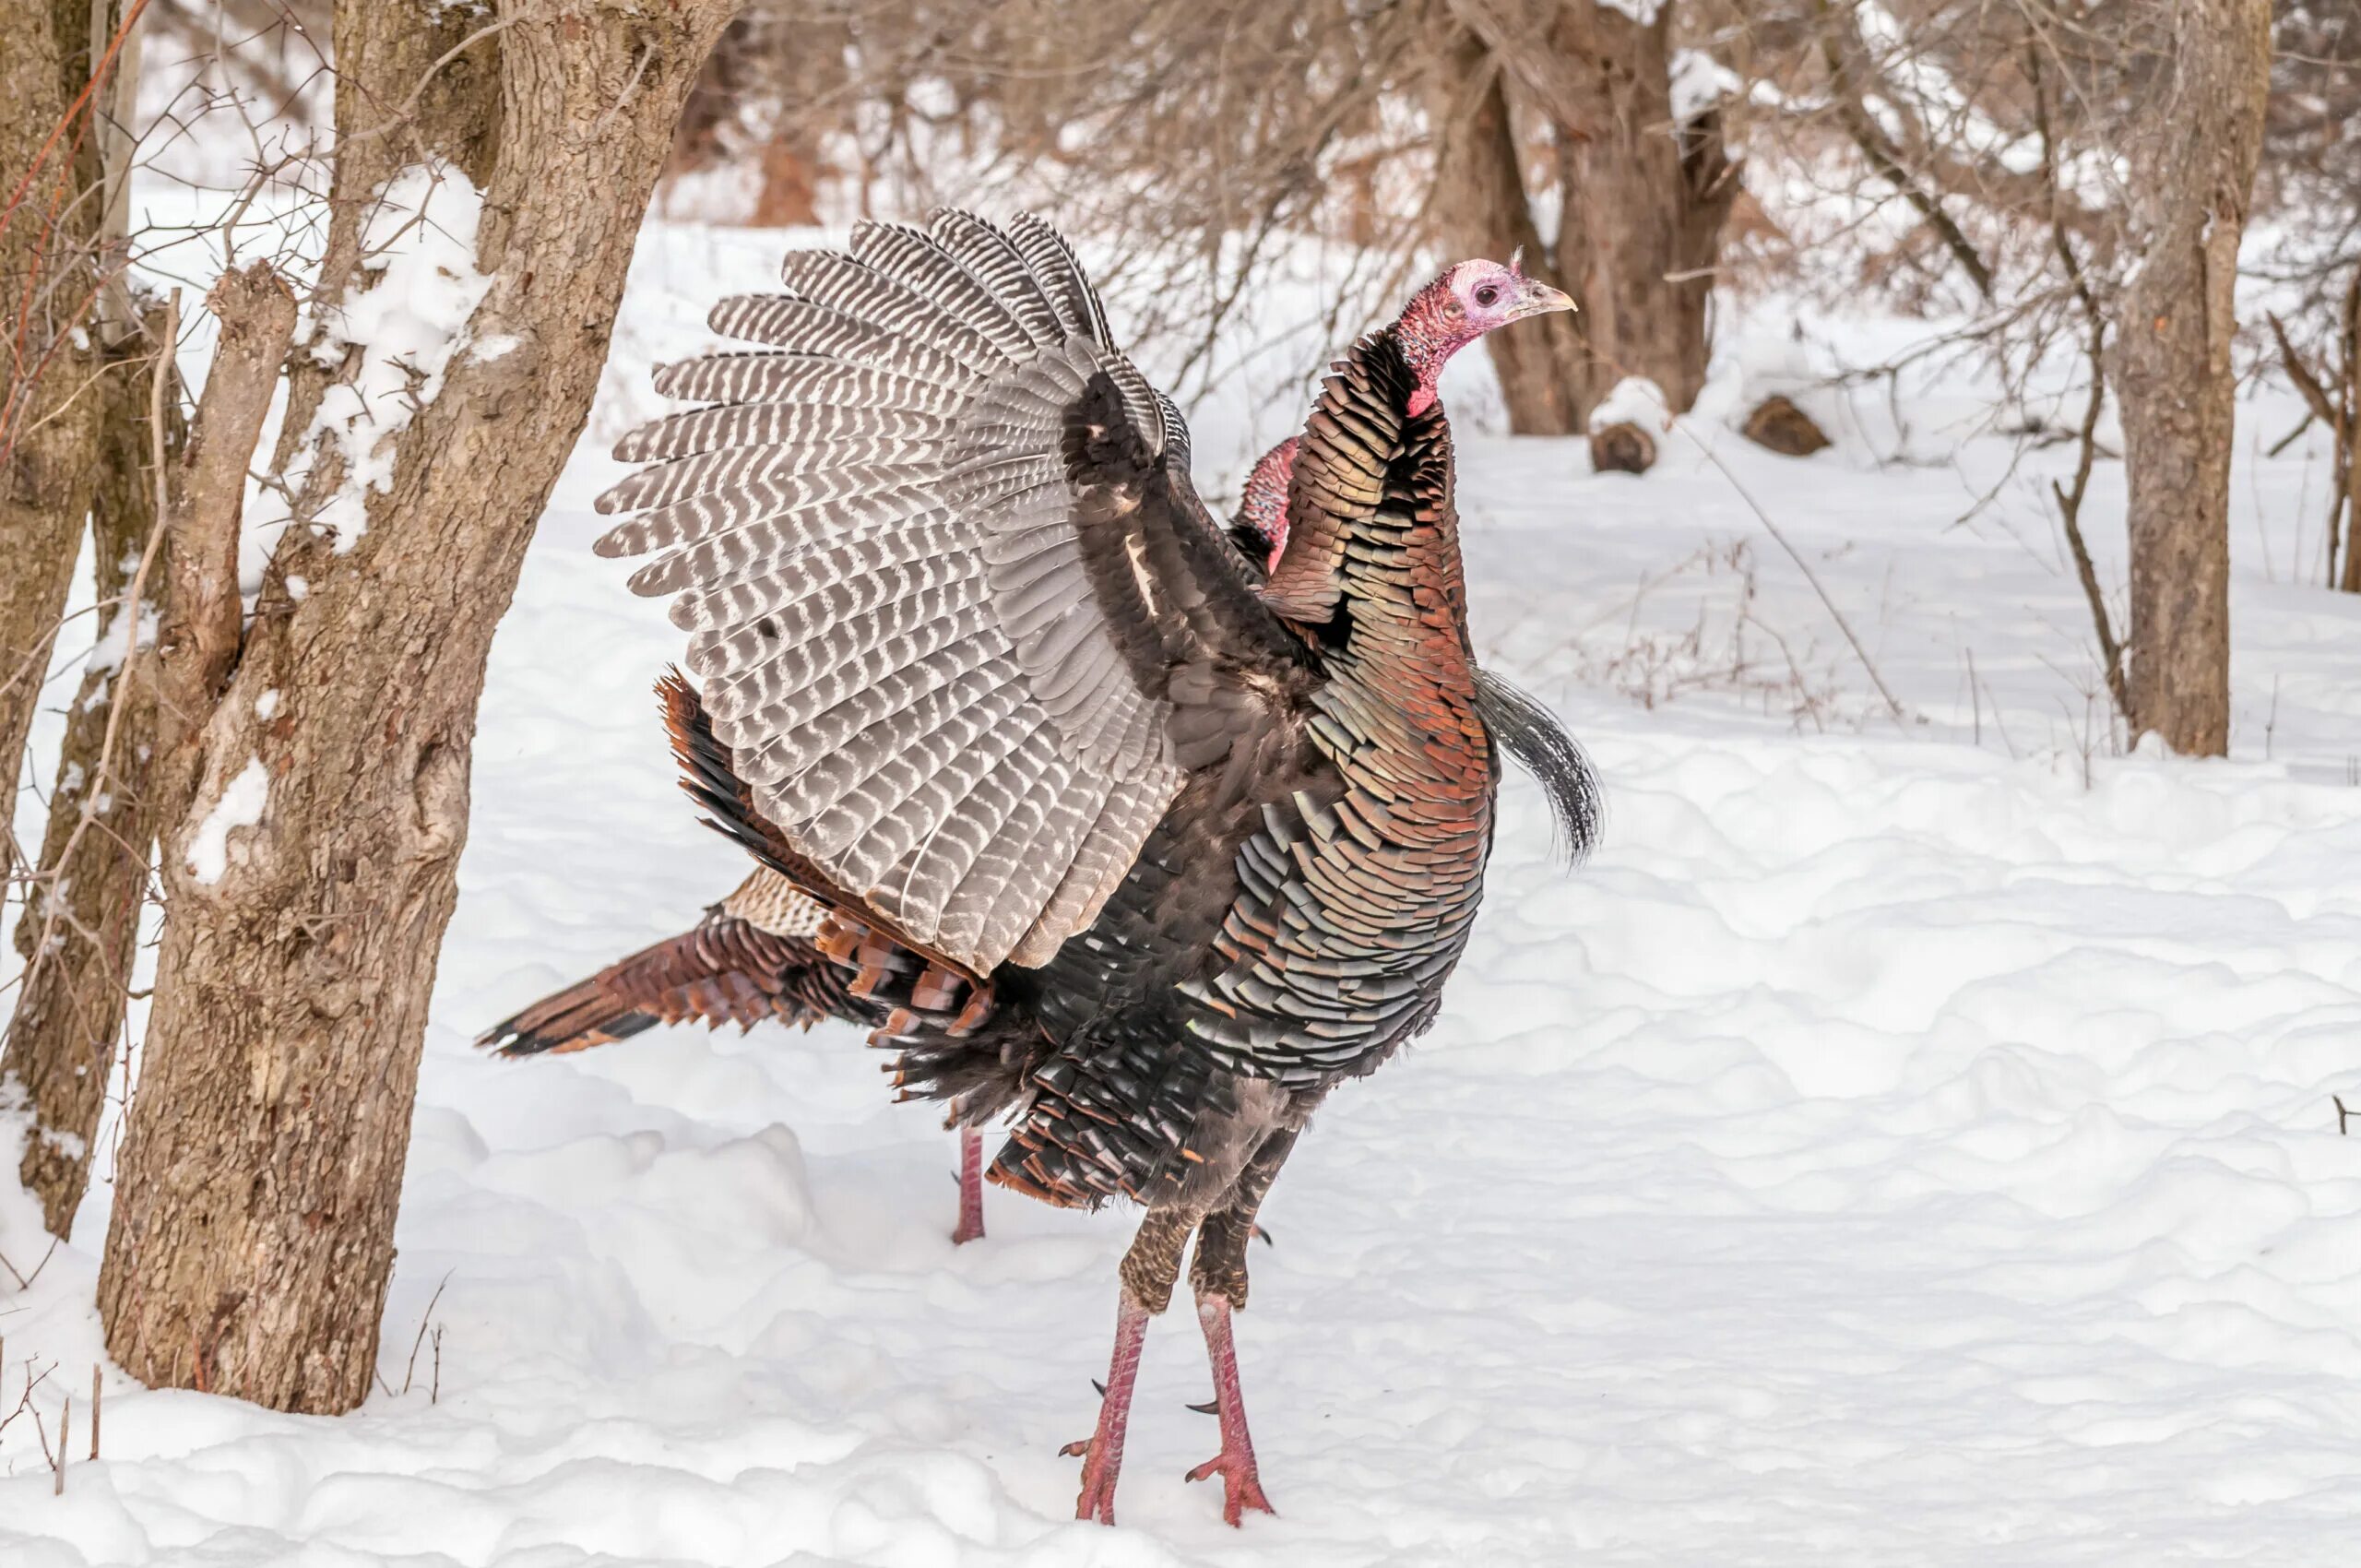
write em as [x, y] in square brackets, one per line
[48, 279]
[1645, 199]
[80, 925]
[1481, 208]
[254, 1222]
[2193, 144]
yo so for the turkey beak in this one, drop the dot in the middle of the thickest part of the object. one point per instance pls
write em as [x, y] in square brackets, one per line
[1536, 298]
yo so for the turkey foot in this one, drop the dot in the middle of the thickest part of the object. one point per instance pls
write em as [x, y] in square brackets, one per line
[1102, 1451]
[971, 1188]
[1241, 1486]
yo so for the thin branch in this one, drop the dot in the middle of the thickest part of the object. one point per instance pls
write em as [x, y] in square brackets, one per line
[1886, 158]
[1900, 714]
[2069, 499]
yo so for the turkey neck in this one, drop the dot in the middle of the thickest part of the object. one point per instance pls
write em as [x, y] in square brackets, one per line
[1371, 564]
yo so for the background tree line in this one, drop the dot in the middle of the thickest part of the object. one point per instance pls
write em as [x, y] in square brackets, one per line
[270, 741]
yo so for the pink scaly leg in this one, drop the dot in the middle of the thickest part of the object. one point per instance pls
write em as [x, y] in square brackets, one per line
[971, 1188]
[1242, 1486]
[1102, 1452]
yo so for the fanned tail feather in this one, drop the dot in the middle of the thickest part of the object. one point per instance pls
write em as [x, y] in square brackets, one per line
[724, 972]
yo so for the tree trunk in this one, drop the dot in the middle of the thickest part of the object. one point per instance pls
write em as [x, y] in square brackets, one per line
[48, 280]
[2193, 146]
[78, 944]
[1645, 198]
[1481, 210]
[380, 61]
[252, 1234]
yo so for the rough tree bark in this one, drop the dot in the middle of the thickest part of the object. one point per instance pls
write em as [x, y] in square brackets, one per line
[252, 1228]
[79, 943]
[2195, 137]
[1645, 198]
[407, 89]
[48, 282]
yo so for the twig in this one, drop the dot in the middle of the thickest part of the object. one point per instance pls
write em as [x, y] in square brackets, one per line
[25, 1281]
[2069, 501]
[406, 110]
[410, 1369]
[1900, 714]
[106, 62]
[1886, 158]
[1974, 697]
[2290, 438]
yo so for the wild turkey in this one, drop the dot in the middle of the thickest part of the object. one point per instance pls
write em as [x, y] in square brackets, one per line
[752, 957]
[1138, 850]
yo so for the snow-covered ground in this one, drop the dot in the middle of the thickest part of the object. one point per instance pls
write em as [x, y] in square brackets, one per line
[1909, 1141]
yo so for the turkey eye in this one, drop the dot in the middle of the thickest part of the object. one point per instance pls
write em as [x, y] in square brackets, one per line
[1487, 294]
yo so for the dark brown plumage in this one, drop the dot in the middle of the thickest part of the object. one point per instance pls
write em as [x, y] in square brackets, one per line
[1137, 851]
[725, 970]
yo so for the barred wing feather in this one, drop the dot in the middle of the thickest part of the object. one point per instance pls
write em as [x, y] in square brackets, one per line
[951, 595]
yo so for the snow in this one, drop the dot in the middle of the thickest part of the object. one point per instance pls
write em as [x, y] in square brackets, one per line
[241, 806]
[420, 244]
[267, 705]
[107, 653]
[1904, 1143]
[1699, 81]
[1632, 400]
[1644, 12]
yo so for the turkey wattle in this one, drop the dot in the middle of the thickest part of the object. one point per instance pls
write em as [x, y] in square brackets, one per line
[1135, 849]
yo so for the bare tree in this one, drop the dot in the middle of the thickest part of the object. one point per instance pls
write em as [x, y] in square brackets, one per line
[1480, 204]
[769, 93]
[2193, 146]
[2087, 170]
[315, 757]
[1645, 191]
[2310, 174]
[52, 194]
[83, 900]
[80, 920]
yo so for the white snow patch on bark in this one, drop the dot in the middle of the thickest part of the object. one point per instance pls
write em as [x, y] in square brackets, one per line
[420, 246]
[241, 806]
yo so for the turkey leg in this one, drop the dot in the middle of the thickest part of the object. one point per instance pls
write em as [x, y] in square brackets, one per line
[1102, 1451]
[971, 1188]
[1241, 1486]
[1148, 1273]
[1218, 1273]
